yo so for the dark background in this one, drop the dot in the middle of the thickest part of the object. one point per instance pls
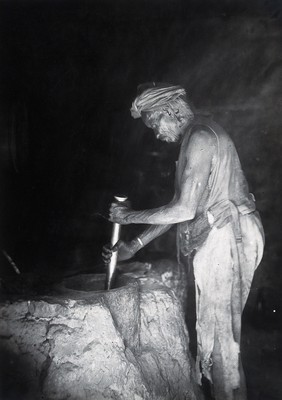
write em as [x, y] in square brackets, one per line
[69, 72]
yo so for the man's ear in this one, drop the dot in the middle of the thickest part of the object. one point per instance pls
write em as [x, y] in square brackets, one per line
[180, 120]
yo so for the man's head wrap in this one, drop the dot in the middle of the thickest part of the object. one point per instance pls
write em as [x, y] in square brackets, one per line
[155, 97]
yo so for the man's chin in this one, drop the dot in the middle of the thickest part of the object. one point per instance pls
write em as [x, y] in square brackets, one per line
[168, 139]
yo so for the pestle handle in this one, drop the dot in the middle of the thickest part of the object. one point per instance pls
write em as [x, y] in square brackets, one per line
[114, 239]
[116, 227]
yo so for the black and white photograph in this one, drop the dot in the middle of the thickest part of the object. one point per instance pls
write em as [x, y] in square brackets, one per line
[141, 200]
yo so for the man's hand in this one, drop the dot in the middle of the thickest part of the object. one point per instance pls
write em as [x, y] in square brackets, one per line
[126, 250]
[120, 212]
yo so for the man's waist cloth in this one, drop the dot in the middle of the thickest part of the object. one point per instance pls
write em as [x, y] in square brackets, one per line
[192, 234]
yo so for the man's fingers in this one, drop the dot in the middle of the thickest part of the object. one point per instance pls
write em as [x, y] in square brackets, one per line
[107, 257]
[107, 252]
[115, 206]
[112, 210]
[107, 249]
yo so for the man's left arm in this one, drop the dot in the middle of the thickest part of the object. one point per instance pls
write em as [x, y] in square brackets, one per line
[183, 207]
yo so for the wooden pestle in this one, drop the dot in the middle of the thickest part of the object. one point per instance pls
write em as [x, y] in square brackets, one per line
[114, 239]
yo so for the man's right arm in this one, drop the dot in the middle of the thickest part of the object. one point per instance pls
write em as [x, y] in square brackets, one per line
[127, 250]
[198, 156]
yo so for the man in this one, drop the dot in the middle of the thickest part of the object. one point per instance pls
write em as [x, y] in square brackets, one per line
[218, 228]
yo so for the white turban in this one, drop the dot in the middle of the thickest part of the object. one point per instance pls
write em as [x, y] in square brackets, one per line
[155, 97]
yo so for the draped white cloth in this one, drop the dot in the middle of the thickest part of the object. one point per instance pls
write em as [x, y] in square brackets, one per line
[223, 271]
[155, 97]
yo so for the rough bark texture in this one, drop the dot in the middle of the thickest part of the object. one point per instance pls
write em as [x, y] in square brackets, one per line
[129, 343]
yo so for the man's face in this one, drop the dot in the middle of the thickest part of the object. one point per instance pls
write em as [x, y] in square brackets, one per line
[164, 124]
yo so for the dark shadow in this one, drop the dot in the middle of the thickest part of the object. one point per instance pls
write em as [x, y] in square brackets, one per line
[261, 344]
[16, 376]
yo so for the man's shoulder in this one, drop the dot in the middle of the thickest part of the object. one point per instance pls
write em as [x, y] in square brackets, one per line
[202, 135]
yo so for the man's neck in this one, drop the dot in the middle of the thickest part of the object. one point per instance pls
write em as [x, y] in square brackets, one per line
[186, 126]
